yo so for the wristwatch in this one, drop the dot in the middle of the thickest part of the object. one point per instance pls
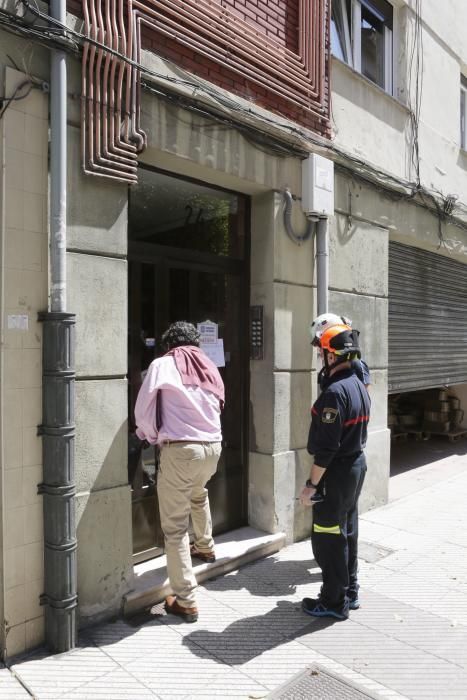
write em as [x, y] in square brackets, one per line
[310, 485]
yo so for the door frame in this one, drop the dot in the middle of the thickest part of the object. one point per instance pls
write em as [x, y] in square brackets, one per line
[187, 258]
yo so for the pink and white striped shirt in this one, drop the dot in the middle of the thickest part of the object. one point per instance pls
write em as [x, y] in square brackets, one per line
[188, 412]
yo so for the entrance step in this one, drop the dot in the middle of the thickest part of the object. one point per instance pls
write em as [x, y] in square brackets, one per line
[233, 550]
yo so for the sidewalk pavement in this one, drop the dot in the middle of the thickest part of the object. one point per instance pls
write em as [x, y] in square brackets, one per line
[408, 640]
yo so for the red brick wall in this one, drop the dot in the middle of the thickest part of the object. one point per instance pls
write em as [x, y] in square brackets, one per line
[277, 20]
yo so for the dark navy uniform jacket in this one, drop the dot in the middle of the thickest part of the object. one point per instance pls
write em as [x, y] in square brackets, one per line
[339, 419]
[361, 370]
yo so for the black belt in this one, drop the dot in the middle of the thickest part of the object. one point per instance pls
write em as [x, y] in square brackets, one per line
[189, 442]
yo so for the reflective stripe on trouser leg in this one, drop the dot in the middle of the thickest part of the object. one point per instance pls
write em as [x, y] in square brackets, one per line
[333, 530]
[329, 543]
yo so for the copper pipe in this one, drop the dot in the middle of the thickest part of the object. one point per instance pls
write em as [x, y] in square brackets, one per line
[267, 82]
[111, 104]
[115, 112]
[97, 159]
[123, 69]
[84, 95]
[109, 149]
[129, 167]
[272, 55]
[101, 128]
[90, 104]
[105, 80]
[302, 33]
[203, 9]
[98, 82]
[314, 66]
[315, 45]
[221, 55]
[130, 69]
[325, 16]
[137, 135]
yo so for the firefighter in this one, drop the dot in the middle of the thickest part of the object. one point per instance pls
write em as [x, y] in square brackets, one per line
[337, 436]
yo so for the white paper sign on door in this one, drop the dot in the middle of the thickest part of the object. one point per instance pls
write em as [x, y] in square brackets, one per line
[215, 351]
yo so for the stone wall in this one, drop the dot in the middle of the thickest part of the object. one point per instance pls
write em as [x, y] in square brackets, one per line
[23, 206]
[97, 294]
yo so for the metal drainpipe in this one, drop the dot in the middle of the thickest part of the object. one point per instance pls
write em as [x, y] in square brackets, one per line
[58, 429]
[322, 269]
[322, 265]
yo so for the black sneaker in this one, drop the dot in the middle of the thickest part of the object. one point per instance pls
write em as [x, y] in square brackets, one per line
[314, 607]
[354, 603]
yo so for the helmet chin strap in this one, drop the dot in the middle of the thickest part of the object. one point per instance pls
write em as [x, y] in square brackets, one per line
[340, 359]
[325, 371]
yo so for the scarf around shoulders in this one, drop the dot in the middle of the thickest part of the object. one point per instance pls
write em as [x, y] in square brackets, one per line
[196, 368]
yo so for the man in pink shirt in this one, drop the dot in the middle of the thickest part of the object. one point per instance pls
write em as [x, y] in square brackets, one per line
[178, 408]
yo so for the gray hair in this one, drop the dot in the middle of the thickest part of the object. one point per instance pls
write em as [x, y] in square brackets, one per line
[180, 333]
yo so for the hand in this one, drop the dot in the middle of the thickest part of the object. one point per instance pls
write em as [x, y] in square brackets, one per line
[306, 495]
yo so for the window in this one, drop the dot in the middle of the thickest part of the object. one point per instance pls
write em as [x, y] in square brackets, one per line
[361, 35]
[463, 112]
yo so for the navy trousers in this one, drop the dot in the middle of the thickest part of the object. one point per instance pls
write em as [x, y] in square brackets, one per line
[334, 536]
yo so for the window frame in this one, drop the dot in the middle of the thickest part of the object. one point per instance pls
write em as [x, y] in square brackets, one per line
[351, 37]
[463, 113]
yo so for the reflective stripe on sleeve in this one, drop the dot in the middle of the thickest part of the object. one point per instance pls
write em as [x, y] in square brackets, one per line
[333, 530]
[354, 421]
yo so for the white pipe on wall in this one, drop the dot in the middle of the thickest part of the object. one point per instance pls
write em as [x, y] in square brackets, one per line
[322, 265]
[58, 165]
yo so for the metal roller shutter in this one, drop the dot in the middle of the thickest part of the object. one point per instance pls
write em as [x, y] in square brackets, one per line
[427, 320]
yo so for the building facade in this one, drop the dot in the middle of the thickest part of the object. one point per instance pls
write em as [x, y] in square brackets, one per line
[186, 124]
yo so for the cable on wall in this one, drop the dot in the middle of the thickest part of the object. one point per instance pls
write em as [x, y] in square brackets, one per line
[295, 237]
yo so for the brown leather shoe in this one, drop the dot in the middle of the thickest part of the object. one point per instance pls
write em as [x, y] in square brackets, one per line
[208, 557]
[187, 614]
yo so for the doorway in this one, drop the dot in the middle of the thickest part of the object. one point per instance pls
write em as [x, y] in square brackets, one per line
[188, 260]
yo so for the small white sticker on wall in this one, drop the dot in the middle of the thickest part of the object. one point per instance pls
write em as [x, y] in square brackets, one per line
[19, 323]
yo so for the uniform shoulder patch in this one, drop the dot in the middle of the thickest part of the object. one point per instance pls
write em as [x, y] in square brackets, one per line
[329, 415]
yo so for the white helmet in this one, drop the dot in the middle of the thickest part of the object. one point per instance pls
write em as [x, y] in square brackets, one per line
[323, 322]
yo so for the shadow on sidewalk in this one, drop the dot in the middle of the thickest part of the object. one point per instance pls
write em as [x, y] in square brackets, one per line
[250, 637]
[268, 577]
[242, 640]
[411, 454]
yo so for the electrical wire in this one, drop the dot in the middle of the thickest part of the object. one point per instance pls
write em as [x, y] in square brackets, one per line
[260, 139]
[15, 97]
[415, 74]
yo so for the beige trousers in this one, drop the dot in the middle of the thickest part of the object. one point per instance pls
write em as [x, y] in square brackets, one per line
[185, 468]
